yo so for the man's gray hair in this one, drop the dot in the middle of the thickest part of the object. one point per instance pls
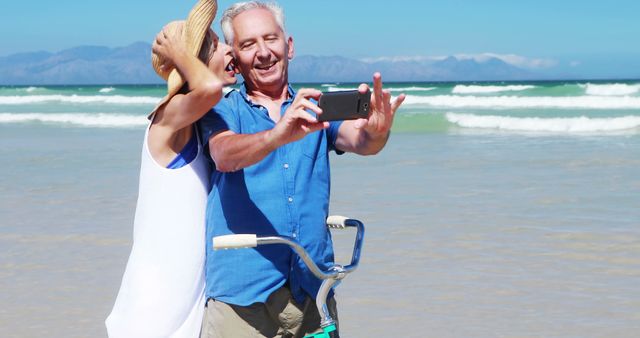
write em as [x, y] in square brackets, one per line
[237, 8]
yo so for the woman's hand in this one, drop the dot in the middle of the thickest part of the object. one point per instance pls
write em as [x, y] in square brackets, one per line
[169, 46]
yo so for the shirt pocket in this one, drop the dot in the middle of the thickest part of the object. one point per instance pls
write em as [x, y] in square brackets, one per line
[314, 145]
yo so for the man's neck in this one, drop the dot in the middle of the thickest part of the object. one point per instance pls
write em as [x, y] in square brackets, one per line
[261, 95]
[270, 98]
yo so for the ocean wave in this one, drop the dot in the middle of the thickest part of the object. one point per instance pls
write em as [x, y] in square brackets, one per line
[411, 89]
[101, 120]
[32, 89]
[107, 90]
[570, 102]
[338, 89]
[568, 125]
[614, 89]
[113, 99]
[399, 89]
[473, 89]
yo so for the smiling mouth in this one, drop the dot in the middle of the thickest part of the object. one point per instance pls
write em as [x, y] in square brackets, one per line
[229, 67]
[265, 66]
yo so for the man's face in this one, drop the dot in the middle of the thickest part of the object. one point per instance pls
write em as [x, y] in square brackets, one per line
[261, 49]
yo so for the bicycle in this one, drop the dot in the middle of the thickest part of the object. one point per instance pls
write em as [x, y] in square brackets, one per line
[330, 278]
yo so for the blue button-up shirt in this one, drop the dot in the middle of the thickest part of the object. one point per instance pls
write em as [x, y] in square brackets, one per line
[286, 193]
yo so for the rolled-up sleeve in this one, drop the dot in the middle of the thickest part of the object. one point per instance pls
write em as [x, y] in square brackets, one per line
[332, 136]
[222, 117]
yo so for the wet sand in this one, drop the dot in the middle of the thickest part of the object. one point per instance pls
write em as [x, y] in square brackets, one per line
[467, 235]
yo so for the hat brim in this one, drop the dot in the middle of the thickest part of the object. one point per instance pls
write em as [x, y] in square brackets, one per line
[194, 32]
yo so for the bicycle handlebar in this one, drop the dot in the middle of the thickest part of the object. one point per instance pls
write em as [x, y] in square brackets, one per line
[337, 222]
[330, 277]
[239, 241]
[235, 241]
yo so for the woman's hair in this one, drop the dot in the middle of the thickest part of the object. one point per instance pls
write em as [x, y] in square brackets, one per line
[206, 53]
[236, 9]
[208, 47]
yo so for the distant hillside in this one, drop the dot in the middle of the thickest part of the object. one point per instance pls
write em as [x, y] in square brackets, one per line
[340, 69]
[131, 65]
[80, 65]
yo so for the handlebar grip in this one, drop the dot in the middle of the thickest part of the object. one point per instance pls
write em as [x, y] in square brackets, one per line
[235, 242]
[336, 221]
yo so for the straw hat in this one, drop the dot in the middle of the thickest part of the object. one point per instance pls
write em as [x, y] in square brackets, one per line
[194, 31]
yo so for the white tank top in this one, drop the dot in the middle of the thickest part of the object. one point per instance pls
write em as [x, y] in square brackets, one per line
[162, 291]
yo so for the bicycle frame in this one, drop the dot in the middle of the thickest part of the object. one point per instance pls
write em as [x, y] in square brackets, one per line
[330, 278]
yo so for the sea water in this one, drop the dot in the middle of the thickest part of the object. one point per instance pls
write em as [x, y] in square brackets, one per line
[496, 210]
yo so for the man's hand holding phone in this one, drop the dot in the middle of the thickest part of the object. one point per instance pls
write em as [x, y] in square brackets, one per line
[344, 105]
[382, 110]
[372, 111]
[367, 136]
[297, 122]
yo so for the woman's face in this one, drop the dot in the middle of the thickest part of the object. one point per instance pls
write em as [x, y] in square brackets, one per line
[222, 63]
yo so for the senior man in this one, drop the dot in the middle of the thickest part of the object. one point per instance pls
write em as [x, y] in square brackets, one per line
[271, 177]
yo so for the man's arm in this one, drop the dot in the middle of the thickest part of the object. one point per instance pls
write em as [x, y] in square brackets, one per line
[369, 136]
[232, 151]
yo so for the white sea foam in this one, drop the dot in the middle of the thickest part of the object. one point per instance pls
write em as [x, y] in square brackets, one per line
[564, 125]
[474, 89]
[32, 89]
[107, 90]
[399, 89]
[614, 89]
[411, 89]
[102, 120]
[113, 99]
[501, 102]
[337, 89]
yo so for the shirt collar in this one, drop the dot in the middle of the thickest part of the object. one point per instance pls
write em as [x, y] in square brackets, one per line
[243, 92]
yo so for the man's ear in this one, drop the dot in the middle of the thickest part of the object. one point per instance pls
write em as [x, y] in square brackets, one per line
[290, 50]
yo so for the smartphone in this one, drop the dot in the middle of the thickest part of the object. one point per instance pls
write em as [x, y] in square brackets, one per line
[344, 105]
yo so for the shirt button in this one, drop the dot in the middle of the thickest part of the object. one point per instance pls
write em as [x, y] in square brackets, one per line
[294, 235]
[286, 165]
[290, 199]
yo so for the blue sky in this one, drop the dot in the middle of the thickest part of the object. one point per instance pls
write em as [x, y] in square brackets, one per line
[591, 36]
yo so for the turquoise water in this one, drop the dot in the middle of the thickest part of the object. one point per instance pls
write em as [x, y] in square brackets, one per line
[497, 209]
[556, 107]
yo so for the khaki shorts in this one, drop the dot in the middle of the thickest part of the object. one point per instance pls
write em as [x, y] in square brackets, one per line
[280, 316]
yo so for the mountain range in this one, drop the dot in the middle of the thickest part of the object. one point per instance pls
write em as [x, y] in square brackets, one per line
[131, 65]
